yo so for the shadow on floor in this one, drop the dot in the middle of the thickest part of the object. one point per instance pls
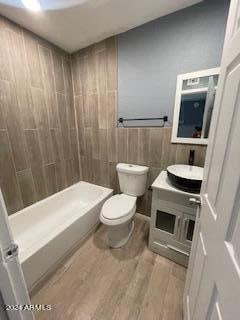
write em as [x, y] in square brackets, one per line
[132, 249]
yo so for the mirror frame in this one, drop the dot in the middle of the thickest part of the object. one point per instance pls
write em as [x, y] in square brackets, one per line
[177, 105]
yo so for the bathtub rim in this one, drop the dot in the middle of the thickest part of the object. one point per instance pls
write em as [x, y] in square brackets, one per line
[52, 196]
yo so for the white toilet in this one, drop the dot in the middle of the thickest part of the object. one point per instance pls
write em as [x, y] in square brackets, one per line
[117, 212]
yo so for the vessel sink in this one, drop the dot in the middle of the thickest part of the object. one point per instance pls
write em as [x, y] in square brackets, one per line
[185, 177]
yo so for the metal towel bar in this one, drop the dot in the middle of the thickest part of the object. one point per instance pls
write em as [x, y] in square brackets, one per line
[122, 120]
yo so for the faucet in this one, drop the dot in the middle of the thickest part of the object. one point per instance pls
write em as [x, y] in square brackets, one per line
[191, 157]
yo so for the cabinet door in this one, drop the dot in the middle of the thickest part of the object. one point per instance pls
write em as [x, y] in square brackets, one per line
[187, 230]
[168, 222]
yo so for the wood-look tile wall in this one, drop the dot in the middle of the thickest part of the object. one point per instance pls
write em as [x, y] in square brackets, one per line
[38, 140]
[101, 143]
[49, 124]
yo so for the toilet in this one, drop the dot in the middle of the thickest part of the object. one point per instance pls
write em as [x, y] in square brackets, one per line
[118, 211]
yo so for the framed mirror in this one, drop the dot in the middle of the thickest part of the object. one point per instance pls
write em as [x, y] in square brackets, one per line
[194, 101]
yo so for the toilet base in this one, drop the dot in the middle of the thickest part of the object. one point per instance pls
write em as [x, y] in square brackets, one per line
[119, 235]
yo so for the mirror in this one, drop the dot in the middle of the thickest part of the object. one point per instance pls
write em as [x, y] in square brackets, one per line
[194, 101]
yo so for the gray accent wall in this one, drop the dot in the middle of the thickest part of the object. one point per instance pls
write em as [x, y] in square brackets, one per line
[151, 56]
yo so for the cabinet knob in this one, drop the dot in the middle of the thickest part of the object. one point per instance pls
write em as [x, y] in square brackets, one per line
[195, 201]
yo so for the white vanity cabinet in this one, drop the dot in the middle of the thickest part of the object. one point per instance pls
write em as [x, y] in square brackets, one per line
[172, 223]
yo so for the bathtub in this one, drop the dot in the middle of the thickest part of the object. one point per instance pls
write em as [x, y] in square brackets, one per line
[49, 229]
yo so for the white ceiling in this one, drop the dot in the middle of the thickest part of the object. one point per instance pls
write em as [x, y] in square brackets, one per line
[75, 24]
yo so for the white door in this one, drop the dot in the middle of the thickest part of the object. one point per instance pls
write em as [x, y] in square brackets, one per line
[13, 291]
[213, 280]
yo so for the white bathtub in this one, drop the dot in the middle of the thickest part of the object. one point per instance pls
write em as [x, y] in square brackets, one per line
[47, 230]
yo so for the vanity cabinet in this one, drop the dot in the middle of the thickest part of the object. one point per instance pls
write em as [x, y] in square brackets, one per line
[172, 220]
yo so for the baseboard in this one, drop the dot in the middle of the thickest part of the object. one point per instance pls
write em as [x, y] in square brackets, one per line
[143, 217]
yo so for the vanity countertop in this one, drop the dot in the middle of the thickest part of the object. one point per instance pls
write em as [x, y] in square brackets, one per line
[162, 182]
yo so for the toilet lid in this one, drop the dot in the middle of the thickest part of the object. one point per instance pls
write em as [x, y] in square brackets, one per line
[118, 206]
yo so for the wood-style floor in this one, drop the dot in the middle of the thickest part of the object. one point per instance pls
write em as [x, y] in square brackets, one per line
[118, 284]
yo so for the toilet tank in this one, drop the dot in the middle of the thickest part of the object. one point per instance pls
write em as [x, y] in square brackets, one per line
[132, 178]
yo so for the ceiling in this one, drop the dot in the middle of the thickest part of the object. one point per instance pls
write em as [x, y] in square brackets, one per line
[75, 24]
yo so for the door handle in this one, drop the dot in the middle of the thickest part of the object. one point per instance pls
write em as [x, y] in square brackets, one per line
[198, 203]
[195, 201]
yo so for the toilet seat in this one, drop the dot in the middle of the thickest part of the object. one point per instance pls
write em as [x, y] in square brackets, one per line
[118, 209]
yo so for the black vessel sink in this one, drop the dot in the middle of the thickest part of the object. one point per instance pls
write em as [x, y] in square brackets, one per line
[185, 177]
